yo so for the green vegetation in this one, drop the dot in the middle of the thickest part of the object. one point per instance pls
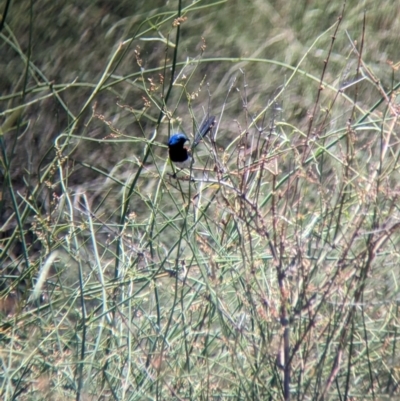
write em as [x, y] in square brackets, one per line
[269, 271]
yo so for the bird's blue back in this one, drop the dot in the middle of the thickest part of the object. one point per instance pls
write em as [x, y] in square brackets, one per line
[177, 139]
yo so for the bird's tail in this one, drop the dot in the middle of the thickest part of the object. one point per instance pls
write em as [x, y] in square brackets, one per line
[204, 129]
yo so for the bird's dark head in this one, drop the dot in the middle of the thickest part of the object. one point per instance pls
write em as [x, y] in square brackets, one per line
[177, 140]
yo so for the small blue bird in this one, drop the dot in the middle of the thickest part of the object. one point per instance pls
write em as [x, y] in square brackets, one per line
[179, 154]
